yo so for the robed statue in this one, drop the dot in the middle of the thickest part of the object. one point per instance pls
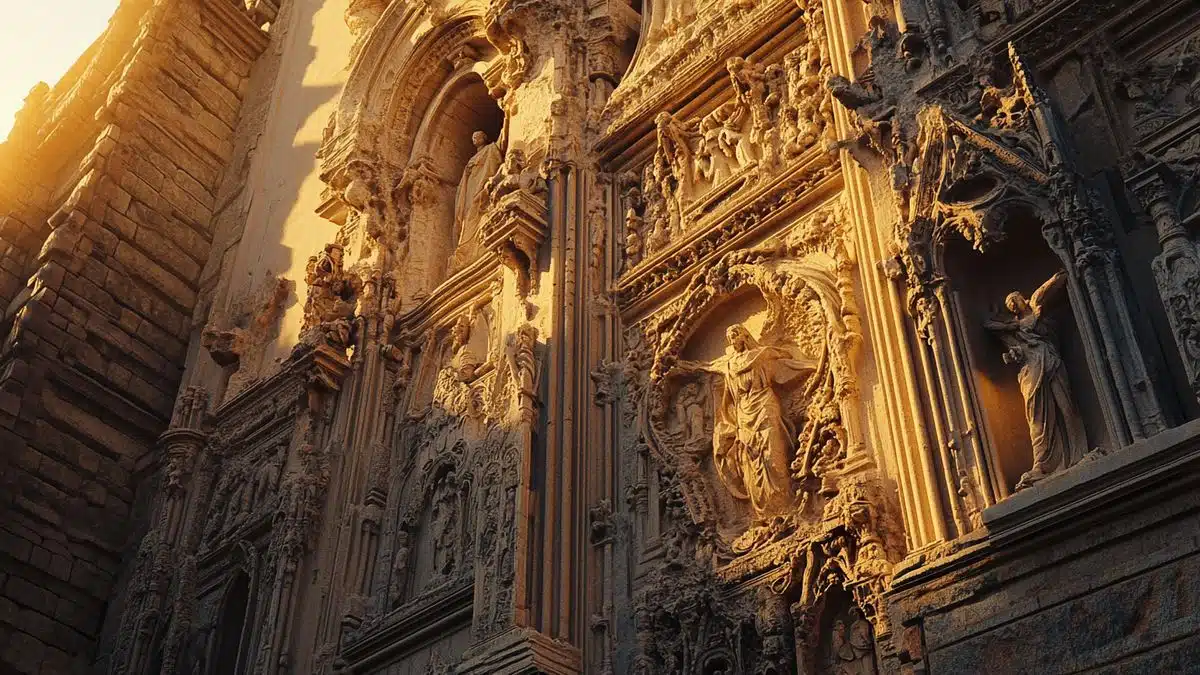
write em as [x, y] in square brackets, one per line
[753, 444]
[1030, 338]
[470, 200]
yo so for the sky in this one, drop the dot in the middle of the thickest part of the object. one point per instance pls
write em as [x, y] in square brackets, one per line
[39, 41]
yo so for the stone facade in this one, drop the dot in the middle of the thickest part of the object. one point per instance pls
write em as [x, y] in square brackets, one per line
[605, 336]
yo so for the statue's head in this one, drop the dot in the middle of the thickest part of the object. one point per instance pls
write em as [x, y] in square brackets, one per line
[479, 138]
[739, 338]
[662, 119]
[1017, 304]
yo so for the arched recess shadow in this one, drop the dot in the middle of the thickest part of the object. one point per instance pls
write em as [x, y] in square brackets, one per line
[441, 149]
[227, 657]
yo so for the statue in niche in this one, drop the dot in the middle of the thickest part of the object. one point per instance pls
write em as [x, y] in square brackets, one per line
[444, 525]
[471, 198]
[399, 568]
[752, 439]
[851, 649]
[1030, 338]
[691, 411]
[463, 362]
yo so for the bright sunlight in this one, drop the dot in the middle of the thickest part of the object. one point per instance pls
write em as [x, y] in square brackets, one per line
[39, 41]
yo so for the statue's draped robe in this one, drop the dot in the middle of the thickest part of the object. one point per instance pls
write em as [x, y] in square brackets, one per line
[1055, 427]
[752, 439]
[471, 196]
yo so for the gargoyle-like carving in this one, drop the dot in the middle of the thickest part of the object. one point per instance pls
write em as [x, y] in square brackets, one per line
[1055, 426]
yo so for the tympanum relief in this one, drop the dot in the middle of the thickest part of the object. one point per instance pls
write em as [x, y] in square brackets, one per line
[1030, 339]
[777, 402]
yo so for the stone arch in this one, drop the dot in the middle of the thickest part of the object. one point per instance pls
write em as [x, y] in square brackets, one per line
[405, 61]
[441, 148]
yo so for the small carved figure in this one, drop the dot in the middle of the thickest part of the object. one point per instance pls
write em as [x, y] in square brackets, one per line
[444, 525]
[852, 650]
[633, 239]
[1030, 337]
[513, 175]
[267, 479]
[463, 362]
[690, 411]
[399, 568]
[471, 196]
[752, 439]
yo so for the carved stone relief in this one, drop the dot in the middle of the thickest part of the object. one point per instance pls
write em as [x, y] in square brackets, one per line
[238, 335]
[777, 402]
[776, 113]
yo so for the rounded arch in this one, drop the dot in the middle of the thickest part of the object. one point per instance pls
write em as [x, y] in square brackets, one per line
[407, 59]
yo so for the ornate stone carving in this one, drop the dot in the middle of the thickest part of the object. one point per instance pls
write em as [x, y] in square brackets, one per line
[1030, 338]
[1170, 195]
[472, 197]
[523, 368]
[237, 336]
[761, 441]
[516, 226]
[776, 113]
[752, 439]
[332, 300]
[444, 526]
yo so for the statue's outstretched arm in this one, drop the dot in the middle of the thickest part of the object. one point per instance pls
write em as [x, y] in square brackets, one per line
[685, 366]
[1049, 292]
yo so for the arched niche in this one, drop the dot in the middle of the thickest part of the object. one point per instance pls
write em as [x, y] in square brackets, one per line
[405, 61]
[978, 284]
[228, 655]
[845, 641]
[442, 148]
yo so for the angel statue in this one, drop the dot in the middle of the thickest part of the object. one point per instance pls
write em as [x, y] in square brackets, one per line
[1030, 337]
[752, 439]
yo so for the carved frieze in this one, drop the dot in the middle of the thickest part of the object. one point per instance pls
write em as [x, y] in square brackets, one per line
[776, 114]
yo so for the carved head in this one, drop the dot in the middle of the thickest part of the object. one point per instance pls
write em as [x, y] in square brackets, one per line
[739, 338]
[514, 160]
[480, 139]
[1017, 304]
[460, 332]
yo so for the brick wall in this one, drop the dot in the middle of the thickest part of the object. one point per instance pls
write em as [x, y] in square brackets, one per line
[105, 287]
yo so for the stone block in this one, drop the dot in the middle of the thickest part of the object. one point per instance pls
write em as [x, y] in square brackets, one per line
[24, 653]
